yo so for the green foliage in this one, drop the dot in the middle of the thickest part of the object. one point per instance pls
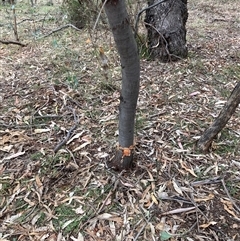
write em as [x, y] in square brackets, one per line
[143, 49]
[227, 143]
[41, 219]
[36, 156]
[48, 165]
[80, 12]
[109, 87]
[233, 189]
[72, 81]
[66, 218]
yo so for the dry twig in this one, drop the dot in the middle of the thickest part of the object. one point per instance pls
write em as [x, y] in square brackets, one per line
[59, 29]
[69, 134]
[229, 196]
[12, 42]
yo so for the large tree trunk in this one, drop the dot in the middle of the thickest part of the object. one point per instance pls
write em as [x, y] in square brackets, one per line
[166, 25]
[229, 108]
[127, 49]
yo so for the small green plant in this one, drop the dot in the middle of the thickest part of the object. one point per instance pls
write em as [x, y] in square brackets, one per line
[41, 219]
[143, 47]
[72, 81]
[109, 87]
[140, 122]
[227, 143]
[48, 163]
[64, 215]
[36, 156]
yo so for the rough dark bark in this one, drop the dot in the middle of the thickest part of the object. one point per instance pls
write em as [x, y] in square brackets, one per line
[8, 1]
[127, 49]
[229, 108]
[166, 25]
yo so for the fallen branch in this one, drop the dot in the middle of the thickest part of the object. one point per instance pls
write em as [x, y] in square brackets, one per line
[21, 126]
[207, 181]
[12, 42]
[69, 134]
[229, 108]
[61, 28]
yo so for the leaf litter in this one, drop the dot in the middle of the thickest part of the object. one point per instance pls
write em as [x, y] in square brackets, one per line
[56, 93]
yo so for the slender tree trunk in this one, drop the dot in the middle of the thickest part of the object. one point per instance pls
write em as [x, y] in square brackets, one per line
[229, 108]
[166, 25]
[127, 49]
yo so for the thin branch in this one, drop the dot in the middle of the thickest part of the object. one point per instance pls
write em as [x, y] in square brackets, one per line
[12, 126]
[229, 196]
[165, 41]
[207, 181]
[15, 23]
[47, 117]
[178, 210]
[12, 42]
[60, 29]
[99, 14]
[145, 9]
[69, 134]
[144, 226]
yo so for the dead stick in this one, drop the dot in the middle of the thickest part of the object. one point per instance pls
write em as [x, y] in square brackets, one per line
[61, 28]
[229, 108]
[15, 23]
[64, 141]
[12, 42]
[225, 189]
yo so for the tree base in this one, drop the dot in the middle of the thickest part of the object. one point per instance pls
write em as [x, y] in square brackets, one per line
[120, 161]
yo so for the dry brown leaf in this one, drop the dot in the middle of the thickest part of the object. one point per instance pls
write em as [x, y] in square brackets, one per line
[35, 218]
[161, 226]
[87, 140]
[226, 207]
[12, 156]
[38, 181]
[206, 225]
[154, 199]
[151, 180]
[204, 199]
[79, 210]
[13, 137]
[187, 169]
[88, 41]
[31, 203]
[76, 136]
[229, 207]
[6, 148]
[108, 216]
[177, 188]
[64, 225]
[39, 131]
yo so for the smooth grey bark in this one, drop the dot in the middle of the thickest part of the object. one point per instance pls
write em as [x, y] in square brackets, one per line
[130, 63]
[166, 26]
[229, 108]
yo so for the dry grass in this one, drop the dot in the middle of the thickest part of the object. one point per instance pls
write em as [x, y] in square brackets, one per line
[56, 84]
